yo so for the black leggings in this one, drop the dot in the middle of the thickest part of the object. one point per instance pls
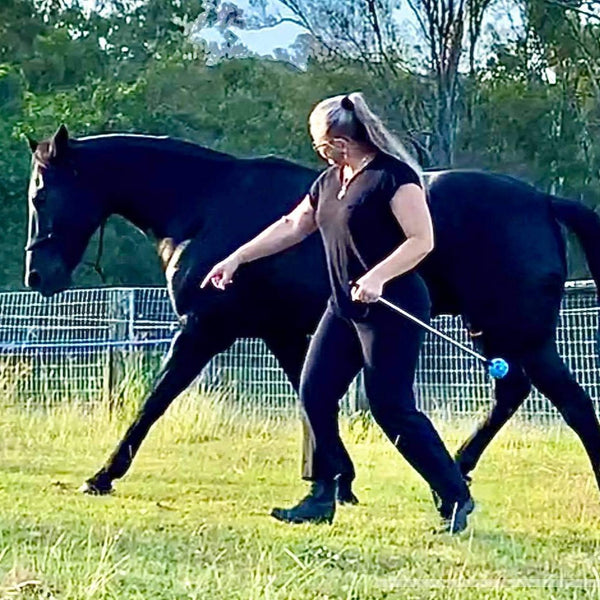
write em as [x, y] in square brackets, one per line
[387, 346]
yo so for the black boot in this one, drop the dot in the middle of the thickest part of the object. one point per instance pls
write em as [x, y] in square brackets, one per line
[455, 515]
[345, 495]
[317, 507]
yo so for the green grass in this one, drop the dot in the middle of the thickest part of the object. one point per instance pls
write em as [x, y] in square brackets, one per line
[191, 518]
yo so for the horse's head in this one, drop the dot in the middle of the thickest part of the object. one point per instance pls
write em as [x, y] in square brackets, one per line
[64, 212]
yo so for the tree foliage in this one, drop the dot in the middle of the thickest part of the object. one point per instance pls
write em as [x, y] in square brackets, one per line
[530, 107]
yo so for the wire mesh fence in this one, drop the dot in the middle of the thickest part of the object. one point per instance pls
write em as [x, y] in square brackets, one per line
[96, 345]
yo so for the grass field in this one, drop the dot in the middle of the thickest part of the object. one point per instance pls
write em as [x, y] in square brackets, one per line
[191, 518]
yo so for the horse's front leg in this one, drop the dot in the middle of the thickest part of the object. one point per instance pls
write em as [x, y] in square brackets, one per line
[191, 349]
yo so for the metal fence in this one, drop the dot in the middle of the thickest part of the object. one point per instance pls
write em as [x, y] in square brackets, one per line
[93, 345]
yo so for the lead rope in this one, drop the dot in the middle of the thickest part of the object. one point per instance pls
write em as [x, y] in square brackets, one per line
[96, 264]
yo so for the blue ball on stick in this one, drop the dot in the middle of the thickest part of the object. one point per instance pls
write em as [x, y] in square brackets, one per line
[497, 368]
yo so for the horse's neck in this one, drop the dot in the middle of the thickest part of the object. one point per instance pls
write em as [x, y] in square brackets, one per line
[154, 195]
[173, 192]
[155, 216]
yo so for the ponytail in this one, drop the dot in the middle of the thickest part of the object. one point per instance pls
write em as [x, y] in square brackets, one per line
[378, 134]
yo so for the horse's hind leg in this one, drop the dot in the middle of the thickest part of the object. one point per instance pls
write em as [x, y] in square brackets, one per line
[190, 350]
[510, 393]
[553, 378]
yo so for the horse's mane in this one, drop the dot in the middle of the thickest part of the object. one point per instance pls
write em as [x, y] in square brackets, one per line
[136, 140]
[45, 150]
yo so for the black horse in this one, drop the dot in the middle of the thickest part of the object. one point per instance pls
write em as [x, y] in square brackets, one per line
[499, 262]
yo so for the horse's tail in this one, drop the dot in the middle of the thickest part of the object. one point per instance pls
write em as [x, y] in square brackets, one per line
[585, 223]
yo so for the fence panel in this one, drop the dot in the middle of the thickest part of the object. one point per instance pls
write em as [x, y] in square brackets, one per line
[94, 344]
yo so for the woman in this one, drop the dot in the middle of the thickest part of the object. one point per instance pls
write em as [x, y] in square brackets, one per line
[371, 210]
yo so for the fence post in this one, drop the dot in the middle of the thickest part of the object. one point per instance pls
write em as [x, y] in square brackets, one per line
[120, 329]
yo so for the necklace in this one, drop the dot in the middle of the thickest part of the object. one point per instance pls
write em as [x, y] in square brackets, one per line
[347, 180]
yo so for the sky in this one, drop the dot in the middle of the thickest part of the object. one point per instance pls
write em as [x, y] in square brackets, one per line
[505, 18]
[263, 41]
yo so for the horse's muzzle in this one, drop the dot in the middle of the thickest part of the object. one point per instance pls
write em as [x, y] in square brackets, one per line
[47, 284]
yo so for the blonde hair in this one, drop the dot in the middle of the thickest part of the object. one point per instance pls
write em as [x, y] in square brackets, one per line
[351, 117]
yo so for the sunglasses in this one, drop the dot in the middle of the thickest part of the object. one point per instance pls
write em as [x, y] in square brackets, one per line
[321, 147]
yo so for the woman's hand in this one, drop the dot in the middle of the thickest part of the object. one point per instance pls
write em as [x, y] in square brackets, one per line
[368, 288]
[221, 274]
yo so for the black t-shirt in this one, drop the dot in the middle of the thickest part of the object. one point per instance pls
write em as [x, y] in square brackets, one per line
[359, 230]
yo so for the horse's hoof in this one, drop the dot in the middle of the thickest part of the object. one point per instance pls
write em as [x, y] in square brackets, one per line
[344, 494]
[95, 488]
[346, 497]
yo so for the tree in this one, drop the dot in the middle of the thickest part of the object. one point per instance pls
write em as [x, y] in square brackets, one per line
[421, 92]
[531, 109]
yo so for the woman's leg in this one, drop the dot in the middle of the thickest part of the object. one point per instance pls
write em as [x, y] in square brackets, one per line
[390, 346]
[333, 359]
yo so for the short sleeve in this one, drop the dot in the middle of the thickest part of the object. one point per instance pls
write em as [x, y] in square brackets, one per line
[401, 173]
[315, 190]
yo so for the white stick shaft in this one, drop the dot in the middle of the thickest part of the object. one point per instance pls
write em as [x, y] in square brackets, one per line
[433, 330]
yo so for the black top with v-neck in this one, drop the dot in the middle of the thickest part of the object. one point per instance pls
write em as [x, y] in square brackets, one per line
[359, 229]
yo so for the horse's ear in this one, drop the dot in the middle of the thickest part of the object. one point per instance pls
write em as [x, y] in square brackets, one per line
[60, 139]
[32, 144]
